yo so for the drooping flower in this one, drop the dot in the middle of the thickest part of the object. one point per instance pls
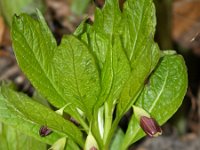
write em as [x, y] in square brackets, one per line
[150, 126]
[147, 123]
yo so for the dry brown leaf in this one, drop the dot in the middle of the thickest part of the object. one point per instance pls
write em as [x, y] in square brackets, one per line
[2, 28]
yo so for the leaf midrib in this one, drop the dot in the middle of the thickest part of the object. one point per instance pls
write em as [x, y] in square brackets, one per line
[43, 70]
[75, 75]
[161, 91]
[137, 33]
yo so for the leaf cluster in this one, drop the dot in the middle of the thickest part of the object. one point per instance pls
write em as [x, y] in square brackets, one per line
[103, 68]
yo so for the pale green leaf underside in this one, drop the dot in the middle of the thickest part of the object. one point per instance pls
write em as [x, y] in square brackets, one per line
[163, 95]
[21, 107]
[12, 139]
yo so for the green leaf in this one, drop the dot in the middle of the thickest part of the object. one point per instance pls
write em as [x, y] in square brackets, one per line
[117, 140]
[115, 73]
[162, 96]
[37, 113]
[143, 66]
[12, 139]
[135, 25]
[139, 22]
[34, 54]
[10, 115]
[103, 64]
[35, 58]
[77, 74]
[100, 34]
[70, 145]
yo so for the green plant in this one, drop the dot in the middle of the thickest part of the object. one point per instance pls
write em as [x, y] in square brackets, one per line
[111, 64]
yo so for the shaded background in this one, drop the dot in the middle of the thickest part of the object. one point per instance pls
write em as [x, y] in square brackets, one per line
[178, 27]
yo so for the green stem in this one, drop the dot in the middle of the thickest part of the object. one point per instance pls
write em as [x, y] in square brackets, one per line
[84, 125]
[95, 129]
[111, 132]
[108, 122]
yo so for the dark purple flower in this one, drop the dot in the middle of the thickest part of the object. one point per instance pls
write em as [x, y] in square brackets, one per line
[44, 131]
[150, 126]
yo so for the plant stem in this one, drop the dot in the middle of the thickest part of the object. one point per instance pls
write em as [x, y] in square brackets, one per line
[95, 129]
[108, 122]
[111, 132]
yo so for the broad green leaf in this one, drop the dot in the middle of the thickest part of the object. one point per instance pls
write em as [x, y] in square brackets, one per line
[11, 116]
[103, 64]
[103, 39]
[115, 73]
[136, 26]
[138, 33]
[144, 65]
[77, 74]
[107, 19]
[12, 139]
[139, 22]
[162, 96]
[34, 54]
[99, 36]
[35, 58]
[39, 114]
[106, 49]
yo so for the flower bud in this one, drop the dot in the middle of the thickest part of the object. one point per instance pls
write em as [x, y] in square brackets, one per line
[147, 123]
[44, 131]
[150, 126]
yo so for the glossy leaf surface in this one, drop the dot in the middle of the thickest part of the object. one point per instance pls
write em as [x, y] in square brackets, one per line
[28, 110]
[77, 74]
[64, 74]
[12, 139]
[162, 95]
